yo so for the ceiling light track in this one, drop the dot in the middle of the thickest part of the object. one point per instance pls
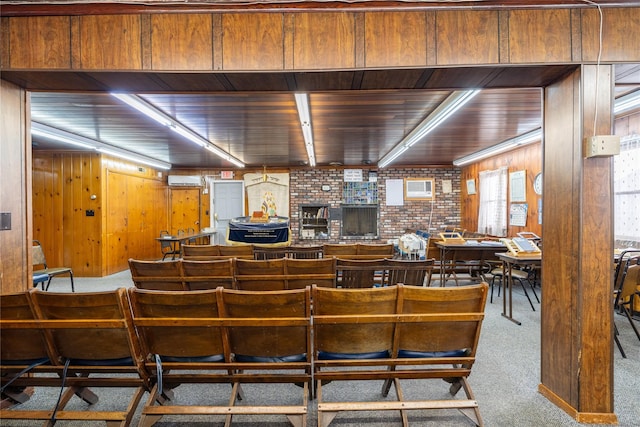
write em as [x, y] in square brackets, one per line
[302, 103]
[446, 109]
[165, 120]
[91, 144]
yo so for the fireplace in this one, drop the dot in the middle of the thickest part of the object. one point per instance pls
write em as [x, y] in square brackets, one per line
[359, 221]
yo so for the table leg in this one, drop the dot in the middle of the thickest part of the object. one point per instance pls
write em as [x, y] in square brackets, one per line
[507, 285]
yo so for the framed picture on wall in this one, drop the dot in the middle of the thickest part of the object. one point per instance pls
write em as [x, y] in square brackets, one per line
[471, 186]
[419, 189]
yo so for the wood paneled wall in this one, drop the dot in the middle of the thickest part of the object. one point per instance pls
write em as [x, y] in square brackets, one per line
[318, 41]
[129, 210]
[15, 183]
[527, 158]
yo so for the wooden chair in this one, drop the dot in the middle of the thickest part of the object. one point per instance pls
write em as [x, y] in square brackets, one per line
[396, 333]
[361, 273]
[305, 252]
[260, 275]
[339, 251]
[375, 251]
[91, 344]
[200, 252]
[46, 273]
[158, 275]
[239, 251]
[21, 348]
[266, 252]
[301, 273]
[278, 338]
[199, 275]
[409, 272]
[222, 336]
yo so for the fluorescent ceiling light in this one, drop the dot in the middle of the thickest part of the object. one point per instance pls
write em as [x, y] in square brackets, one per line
[176, 126]
[446, 109]
[302, 102]
[92, 144]
[622, 104]
[627, 102]
[509, 144]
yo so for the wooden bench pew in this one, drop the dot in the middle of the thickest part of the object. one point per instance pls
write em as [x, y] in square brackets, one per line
[395, 333]
[224, 336]
[89, 344]
[284, 273]
[200, 275]
[157, 275]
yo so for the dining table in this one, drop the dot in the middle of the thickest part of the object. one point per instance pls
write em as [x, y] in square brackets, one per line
[177, 240]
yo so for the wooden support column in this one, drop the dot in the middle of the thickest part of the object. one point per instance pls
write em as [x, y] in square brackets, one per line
[577, 312]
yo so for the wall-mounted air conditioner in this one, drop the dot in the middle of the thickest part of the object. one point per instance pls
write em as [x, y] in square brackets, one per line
[185, 180]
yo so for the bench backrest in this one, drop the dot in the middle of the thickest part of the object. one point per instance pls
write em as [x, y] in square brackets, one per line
[20, 345]
[159, 275]
[199, 275]
[162, 320]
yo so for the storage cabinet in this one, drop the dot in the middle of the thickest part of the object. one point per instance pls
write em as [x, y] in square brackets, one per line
[314, 221]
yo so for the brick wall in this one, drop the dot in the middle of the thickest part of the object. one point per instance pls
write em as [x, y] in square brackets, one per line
[305, 188]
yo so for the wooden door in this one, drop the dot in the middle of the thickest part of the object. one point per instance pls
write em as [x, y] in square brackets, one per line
[185, 209]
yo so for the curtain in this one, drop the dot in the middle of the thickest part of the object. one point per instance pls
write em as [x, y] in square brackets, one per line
[626, 184]
[492, 213]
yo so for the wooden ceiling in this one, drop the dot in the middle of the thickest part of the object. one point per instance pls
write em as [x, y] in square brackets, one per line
[357, 116]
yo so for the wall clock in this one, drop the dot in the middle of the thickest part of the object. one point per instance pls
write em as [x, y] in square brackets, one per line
[537, 183]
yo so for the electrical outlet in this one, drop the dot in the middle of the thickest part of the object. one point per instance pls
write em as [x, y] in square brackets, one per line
[601, 146]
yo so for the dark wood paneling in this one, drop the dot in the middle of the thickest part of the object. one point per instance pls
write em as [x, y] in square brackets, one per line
[560, 209]
[181, 42]
[542, 36]
[324, 41]
[620, 34]
[395, 38]
[111, 42]
[253, 41]
[40, 42]
[467, 37]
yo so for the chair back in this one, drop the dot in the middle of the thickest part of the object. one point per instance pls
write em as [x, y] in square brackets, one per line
[270, 338]
[200, 251]
[375, 250]
[240, 251]
[339, 251]
[360, 273]
[100, 331]
[155, 314]
[305, 252]
[20, 345]
[442, 333]
[199, 275]
[38, 257]
[306, 272]
[260, 275]
[409, 272]
[630, 280]
[349, 335]
[159, 275]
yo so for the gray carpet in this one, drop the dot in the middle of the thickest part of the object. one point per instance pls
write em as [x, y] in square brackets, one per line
[504, 379]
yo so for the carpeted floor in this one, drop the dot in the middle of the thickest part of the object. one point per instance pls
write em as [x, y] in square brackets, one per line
[505, 379]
